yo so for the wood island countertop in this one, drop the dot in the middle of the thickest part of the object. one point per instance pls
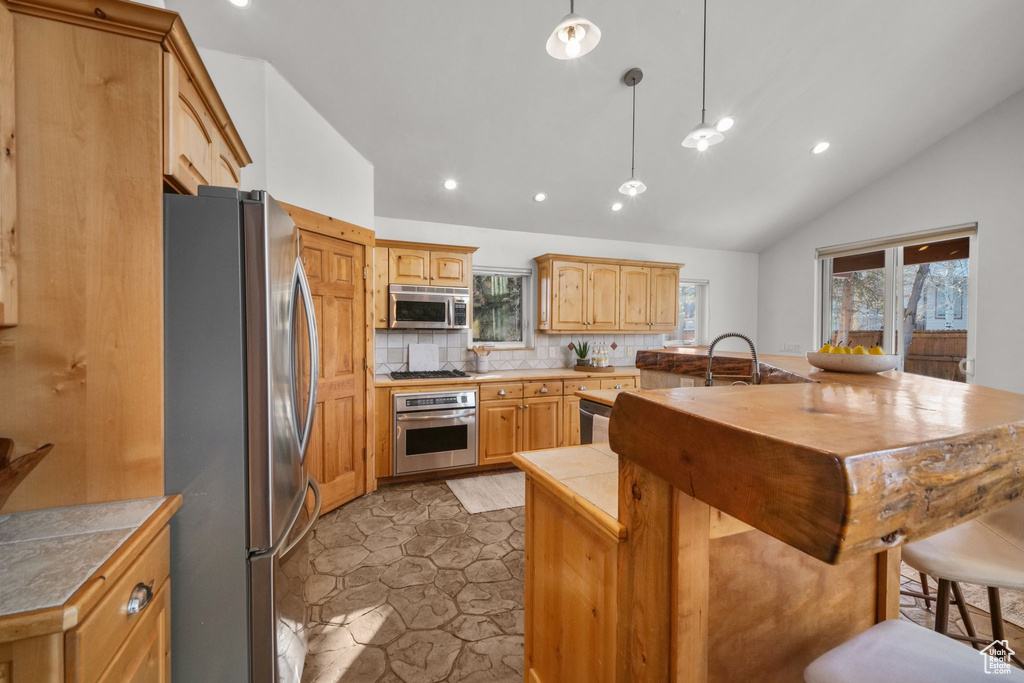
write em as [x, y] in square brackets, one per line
[841, 465]
[508, 376]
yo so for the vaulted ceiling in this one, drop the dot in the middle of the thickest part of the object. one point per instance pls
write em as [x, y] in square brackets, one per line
[429, 90]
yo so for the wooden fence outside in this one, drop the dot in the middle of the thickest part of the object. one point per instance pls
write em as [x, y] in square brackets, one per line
[935, 353]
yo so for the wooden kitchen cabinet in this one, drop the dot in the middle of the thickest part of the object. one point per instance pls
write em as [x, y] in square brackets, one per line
[576, 293]
[618, 383]
[602, 296]
[664, 314]
[408, 266]
[568, 296]
[571, 421]
[634, 297]
[542, 421]
[8, 186]
[499, 427]
[200, 144]
[450, 269]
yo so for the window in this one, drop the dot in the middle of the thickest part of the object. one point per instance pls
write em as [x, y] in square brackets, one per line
[693, 314]
[910, 294]
[502, 307]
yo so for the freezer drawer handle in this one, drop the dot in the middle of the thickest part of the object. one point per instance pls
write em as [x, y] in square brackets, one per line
[140, 597]
[306, 429]
[311, 482]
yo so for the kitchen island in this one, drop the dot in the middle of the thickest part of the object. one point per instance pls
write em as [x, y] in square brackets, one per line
[761, 525]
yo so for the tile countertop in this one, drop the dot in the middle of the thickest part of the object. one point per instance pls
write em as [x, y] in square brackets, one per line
[590, 471]
[509, 376]
[47, 555]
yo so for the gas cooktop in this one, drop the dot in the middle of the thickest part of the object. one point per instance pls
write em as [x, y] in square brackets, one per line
[429, 374]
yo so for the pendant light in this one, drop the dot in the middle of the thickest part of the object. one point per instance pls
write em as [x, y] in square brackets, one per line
[634, 185]
[573, 37]
[704, 134]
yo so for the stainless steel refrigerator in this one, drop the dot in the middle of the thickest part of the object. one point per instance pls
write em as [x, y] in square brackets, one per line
[237, 422]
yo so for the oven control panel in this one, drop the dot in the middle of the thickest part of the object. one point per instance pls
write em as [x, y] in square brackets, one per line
[439, 400]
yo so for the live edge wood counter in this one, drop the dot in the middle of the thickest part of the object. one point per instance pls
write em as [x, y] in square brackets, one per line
[68, 574]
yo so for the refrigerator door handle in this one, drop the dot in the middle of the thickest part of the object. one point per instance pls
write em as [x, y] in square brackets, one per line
[306, 429]
[311, 483]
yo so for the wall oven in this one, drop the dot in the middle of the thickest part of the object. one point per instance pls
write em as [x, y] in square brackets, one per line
[434, 431]
[430, 308]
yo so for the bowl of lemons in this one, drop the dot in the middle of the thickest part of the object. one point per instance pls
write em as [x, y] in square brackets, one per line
[860, 360]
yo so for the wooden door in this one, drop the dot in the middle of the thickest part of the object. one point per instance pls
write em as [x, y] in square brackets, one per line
[408, 266]
[542, 421]
[337, 451]
[499, 430]
[449, 269]
[380, 287]
[634, 297]
[569, 296]
[571, 421]
[602, 296]
[664, 299]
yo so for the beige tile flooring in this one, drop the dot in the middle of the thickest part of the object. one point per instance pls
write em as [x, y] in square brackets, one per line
[408, 587]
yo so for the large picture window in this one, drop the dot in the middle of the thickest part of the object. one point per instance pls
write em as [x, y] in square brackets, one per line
[910, 295]
[502, 307]
[693, 314]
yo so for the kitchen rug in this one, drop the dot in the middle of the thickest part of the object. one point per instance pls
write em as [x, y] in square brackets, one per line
[490, 492]
[977, 596]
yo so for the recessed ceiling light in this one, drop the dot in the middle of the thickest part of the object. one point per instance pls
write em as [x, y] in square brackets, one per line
[450, 184]
[820, 147]
[539, 197]
[616, 206]
[240, 3]
[725, 123]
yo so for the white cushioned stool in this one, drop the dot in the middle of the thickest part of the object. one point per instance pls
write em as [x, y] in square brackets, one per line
[896, 650]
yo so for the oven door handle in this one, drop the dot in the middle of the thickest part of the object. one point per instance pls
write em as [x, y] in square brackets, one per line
[424, 418]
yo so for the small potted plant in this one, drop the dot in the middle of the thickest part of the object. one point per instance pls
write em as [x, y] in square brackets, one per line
[582, 350]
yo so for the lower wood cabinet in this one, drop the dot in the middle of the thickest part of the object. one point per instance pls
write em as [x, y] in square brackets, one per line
[571, 421]
[542, 420]
[498, 426]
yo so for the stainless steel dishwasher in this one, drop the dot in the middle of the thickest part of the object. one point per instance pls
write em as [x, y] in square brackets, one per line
[588, 410]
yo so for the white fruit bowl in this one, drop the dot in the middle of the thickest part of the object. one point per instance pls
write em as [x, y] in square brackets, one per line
[847, 362]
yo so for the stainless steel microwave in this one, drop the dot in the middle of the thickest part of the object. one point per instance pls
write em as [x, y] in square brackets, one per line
[428, 308]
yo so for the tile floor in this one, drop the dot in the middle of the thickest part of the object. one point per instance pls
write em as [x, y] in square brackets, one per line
[409, 587]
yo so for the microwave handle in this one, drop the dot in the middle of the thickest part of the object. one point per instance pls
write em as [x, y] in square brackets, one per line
[451, 312]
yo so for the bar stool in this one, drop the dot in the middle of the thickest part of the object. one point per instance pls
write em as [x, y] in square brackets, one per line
[986, 551]
[897, 650]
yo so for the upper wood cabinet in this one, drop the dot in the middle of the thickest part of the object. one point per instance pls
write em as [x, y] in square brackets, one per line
[413, 263]
[606, 295]
[409, 267]
[664, 299]
[8, 188]
[201, 145]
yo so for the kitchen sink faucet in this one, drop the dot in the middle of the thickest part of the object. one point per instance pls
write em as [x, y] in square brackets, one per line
[755, 375]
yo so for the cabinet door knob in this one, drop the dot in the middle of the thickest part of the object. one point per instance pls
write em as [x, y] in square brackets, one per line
[582, 387]
[502, 392]
[618, 386]
[543, 390]
[383, 320]
[140, 597]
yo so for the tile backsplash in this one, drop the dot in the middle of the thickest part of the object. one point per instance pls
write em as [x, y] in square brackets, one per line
[391, 352]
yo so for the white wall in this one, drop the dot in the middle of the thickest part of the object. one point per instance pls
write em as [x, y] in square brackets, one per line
[297, 155]
[732, 274]
[974, 175]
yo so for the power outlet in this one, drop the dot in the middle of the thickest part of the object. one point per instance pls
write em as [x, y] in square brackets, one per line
[630, 351]
[554, 352]
[790, 347]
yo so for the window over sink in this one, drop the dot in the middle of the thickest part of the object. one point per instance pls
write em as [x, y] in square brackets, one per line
[503, 307]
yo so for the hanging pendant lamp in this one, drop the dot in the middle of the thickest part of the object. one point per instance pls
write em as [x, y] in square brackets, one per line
[573, 37]
[704, 134]
[634, 185]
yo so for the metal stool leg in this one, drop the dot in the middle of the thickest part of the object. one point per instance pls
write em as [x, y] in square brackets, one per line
[942, 607]
[965, 614]
[924, 589]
